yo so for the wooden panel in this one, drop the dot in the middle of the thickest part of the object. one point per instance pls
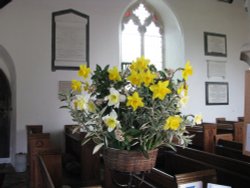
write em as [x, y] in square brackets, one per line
[238, 131]
[228, 137]
[247, 110]
[51, 168]
[37, 143]
[229, 171]
[210, 131]
[90, 164]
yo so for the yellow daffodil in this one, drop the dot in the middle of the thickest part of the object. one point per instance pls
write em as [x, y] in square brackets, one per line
[115, 98]
[76, 85]
[140, 64]
[135, 78]
[188, 71]
[135, 101]
[173, 123]
[84, 71]
[148, 77]
[160, 89]
[114, 74]
[111, 121]
[198, 119]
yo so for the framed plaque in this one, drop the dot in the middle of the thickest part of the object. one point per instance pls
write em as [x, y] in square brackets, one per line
[70, 40]
[215, 44]
[216, 93]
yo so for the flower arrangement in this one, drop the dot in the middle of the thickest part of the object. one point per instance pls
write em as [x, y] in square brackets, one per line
[137, 109]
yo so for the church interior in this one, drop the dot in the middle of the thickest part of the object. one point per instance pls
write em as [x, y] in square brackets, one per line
[43, 44]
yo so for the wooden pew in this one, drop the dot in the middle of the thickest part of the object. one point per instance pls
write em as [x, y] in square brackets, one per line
[230, 144]
[158, 178]
[50, 165]
[36, 142]
[230, 172]
[238, 131]
[234, 127]
[31, 129]
[180, 170]
[231, 149]
[207, 134]
[228, 137]
[39, 143]
[204, 136]
[171, 171]
[89, 163]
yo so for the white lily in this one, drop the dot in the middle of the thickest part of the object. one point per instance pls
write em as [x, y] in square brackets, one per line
[111, 121]
[115, 98]
[80, 102]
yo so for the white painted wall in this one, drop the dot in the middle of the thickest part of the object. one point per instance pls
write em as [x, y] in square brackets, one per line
[198, 16]
[26, 34]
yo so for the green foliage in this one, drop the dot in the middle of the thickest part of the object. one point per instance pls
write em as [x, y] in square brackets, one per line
[114, 121]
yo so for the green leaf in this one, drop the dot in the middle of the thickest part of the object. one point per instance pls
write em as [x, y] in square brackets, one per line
[97, 148]
[85, 141]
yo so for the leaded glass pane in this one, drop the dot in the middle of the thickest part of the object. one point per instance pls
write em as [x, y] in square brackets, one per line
[131, 42]
[153, 45]
[139, 38]
[141, 13]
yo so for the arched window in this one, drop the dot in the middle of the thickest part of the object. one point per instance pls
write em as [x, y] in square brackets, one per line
[142, 34]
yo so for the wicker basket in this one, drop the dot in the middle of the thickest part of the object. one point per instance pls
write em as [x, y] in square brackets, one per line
[129, 161]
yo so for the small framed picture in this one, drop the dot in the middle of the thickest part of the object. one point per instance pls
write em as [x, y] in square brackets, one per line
[215, 44]
[216, 93]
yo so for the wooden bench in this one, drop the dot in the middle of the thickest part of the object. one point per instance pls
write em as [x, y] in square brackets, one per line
[233, 127]
[230, 172]
[207, 134]
[228, 137]
[50, 165]
[180, 170]
[230, 144]
[231, 149]
[37, 142]
[172, 170]
[203, 136]
[89, 163]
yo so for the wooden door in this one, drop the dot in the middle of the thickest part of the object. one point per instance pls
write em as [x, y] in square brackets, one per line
[5, 110]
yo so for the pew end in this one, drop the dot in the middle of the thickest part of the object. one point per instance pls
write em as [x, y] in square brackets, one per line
[50, 162]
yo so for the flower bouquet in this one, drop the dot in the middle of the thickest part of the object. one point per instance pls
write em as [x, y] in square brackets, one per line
[138, 109]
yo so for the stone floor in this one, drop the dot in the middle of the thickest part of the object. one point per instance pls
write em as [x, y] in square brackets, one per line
[13, 179]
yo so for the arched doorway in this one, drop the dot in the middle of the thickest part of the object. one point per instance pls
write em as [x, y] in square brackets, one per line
[8, 87]
[5, 110]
